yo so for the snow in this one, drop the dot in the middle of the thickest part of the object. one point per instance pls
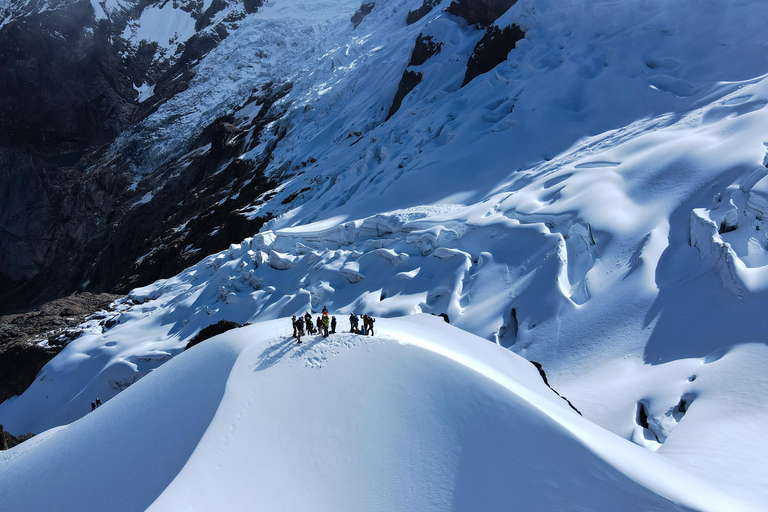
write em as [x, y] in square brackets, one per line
[596, 203]
[164, 24]
[145, 92]
[252, 419]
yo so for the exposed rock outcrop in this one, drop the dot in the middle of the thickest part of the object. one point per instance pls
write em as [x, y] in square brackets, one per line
[29, 340]
[70, 80]
[408, 82]
[8, 441]
[492, 50]
[219, 327]
[418, 13]
[361, 13]
[481, 13]
[424, 48]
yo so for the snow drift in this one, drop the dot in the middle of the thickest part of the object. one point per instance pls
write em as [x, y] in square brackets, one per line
[421, 416]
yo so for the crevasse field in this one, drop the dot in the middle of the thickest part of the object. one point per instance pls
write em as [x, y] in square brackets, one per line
[596, 203]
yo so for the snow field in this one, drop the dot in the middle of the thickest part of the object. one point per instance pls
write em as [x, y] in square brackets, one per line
[595, 203]
[250, 419]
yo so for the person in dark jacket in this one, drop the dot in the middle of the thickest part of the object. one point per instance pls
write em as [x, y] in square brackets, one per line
[319, 324]
[333, 325]
[353, 322]
[299, 328]
[98, 403]
[308, 322]
[370, 325]
[293, 323]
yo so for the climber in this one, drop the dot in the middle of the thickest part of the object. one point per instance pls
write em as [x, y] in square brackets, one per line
[299, 328]
[308, 321]
[293, 323]
[353, 323]
[333, 325]
[325, 322]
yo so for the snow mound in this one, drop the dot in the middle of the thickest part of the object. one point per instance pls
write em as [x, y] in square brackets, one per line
[422, 416]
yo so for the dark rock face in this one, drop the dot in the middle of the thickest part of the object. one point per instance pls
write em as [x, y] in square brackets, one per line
[49, 217]
[424, 48]
[84, 228]
[492, 50]
[252, 6]
[361, 13]
[419, 13]
[481, 13]
[219, 327]
[408, 82]
[64, 90]
[28, 341]
[186, 193]
[68, 91]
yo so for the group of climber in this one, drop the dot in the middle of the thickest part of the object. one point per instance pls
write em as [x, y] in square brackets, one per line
[95, 404]
[325, 325]
[354, 323]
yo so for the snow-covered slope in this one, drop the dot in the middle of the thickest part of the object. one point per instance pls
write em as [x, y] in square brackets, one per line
[596, 202]
[422, 416]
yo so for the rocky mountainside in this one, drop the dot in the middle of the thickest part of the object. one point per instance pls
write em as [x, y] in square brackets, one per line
[28, 341]
[75, 76]
[111, 178]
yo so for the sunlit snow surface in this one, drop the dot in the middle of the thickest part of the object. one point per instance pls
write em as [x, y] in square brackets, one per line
[596, 203]
[421, 417]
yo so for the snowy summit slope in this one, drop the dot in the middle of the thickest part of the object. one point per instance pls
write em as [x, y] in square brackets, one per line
[422, 416]
[596, 202]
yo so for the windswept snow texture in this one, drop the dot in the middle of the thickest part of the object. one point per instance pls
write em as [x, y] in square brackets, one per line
[259, 422]
[597, 203]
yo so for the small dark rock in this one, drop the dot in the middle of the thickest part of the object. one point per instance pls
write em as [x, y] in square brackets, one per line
[8, 441]
[408, 82]
[492, 50]
[252, 6]
[481, 13]
[424, 49]
[361, 13]
[219, 327]
[417, 14]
